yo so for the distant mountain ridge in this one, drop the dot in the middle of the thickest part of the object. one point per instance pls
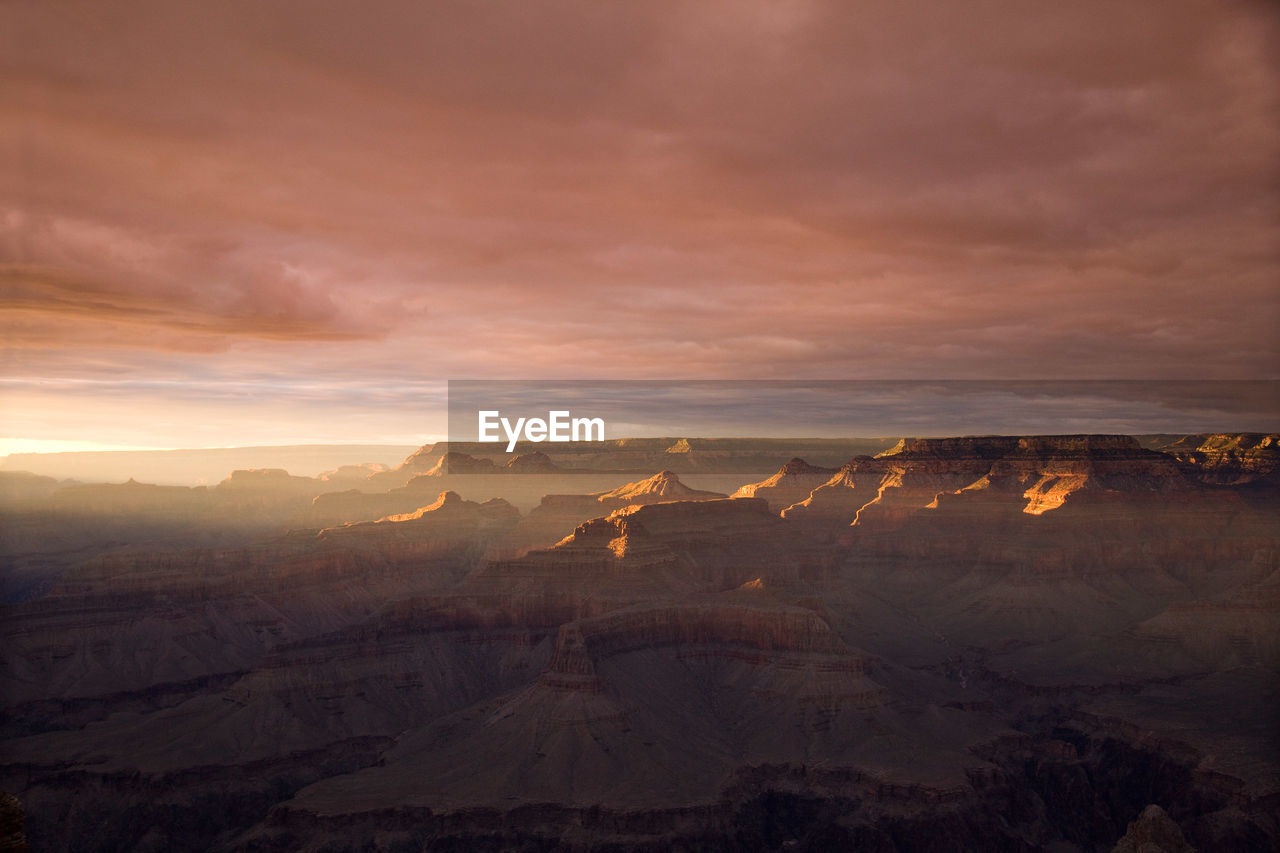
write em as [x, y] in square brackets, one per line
[683, 455]
[199, 465]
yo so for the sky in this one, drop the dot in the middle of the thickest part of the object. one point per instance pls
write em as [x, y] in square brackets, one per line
[247, 223]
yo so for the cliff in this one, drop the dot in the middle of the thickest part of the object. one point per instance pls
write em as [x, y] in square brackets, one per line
[793, 482]
[460, 463]
[12, 818]
[556, 515]
[1153, 832]
[1040, 472]
[1229, 458]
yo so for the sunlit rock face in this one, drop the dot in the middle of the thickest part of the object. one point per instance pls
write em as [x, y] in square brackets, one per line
[449, 515]
[530, 480]
[681, 545]
[460, 463]
[556, 515]
[792, 484]
[663, 486]
[1229, 458]
[1039, 473]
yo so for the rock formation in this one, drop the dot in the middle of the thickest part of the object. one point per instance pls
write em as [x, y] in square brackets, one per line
[1042, 472]
[1012, 643]
[460, 463]
[532, 463]
[793, 483]
[12, 817]
[351, 475]
[556, 515]
[1229, 459]
[22, 487]
[637, 455]
[1153, 832]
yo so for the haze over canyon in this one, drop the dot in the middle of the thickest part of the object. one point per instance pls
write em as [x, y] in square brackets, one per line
[995, 642]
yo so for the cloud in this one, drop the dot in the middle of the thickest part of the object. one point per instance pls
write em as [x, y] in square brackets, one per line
[110, 284]
[762, 189]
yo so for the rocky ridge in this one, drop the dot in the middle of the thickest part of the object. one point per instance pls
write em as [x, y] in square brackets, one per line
[794, 482]
[1011, 643]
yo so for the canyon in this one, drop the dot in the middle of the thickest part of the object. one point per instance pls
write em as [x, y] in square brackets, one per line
[1062, 643]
